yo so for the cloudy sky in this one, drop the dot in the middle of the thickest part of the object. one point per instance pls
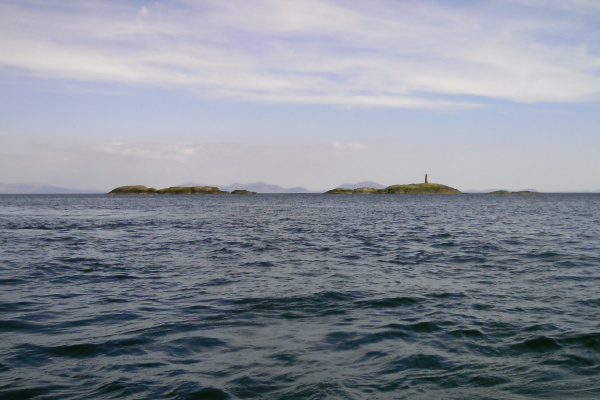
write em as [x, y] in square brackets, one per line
[479, 94]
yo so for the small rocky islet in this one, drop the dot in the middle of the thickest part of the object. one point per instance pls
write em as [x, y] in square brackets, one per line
[518, 192]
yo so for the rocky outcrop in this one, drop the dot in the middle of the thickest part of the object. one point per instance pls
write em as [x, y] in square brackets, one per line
[242, 191]
[133, 189]
[366, 190]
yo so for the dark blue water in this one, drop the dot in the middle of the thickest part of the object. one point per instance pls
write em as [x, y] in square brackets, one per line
[300, 297]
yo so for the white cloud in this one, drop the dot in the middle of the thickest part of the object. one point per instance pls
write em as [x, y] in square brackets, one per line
[381, 53]
[215, 150]
[352, 146]
[143, 12]
[151, 151]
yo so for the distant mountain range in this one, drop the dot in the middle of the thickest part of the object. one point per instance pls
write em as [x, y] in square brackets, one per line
[259, 187]
[37, 188]
[362, 184]
[262, 187]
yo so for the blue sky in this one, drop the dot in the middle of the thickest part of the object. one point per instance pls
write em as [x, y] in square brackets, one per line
[313, 93]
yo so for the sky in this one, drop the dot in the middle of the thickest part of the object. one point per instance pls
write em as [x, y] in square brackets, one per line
[494, 94]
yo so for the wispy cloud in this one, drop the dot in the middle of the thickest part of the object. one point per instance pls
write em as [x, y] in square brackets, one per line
[381, 53]
[216, 150]
[579, 6]
[151, 151]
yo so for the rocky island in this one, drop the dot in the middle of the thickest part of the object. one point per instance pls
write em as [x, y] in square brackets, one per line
[518, 192]
[140, 189]
[414, 188]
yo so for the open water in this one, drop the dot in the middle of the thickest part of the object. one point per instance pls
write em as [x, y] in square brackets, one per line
[300, 297]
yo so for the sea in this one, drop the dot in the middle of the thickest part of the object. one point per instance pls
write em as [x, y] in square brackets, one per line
[300, 296]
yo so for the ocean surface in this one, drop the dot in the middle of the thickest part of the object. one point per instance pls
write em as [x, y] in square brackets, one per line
[300, 297]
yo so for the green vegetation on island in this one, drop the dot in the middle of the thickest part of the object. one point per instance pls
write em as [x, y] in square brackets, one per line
[340, 191]
[140, 189]
[418, 188]
[133, 189]
[366, 190]
[414, 188]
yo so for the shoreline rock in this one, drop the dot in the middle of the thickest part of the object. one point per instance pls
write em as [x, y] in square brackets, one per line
[133, 189]
[518, 192]
[243, 191]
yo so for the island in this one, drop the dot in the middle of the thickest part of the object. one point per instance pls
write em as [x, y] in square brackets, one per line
[243, 191]
[140, 189]
[518, 192]
[414, 188]
[133, 189]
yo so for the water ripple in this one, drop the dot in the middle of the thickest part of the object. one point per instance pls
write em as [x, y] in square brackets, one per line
[300, 297]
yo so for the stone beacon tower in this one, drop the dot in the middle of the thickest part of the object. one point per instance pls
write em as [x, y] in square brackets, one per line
[426, 178]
